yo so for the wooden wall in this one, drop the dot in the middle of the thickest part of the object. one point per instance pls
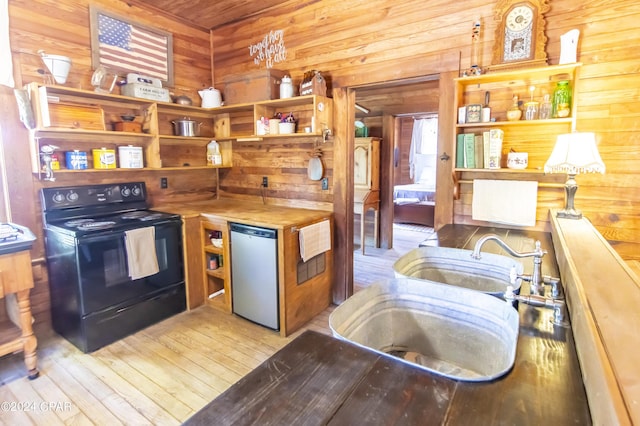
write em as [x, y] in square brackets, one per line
[357, 43]
[62, 27]
[284, 162]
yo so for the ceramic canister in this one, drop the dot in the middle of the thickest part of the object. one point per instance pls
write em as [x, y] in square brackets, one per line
[130, 157]
[104, 158]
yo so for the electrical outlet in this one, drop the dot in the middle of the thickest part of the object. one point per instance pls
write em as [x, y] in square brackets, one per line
[325, 184]
[265, 181]
[164, 183]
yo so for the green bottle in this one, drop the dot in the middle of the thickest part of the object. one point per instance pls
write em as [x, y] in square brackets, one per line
[561, 104]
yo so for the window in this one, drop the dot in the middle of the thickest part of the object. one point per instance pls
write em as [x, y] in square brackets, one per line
[424, 145]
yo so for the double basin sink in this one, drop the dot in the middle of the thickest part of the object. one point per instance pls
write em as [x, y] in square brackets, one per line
[440, 314]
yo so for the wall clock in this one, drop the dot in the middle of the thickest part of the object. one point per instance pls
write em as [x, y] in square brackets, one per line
[520, 39]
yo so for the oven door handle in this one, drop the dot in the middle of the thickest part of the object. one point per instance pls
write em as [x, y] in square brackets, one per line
[90, 239]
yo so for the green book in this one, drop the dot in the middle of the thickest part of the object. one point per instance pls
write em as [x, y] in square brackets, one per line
[469, 151]
[486, 145]
[479, 152]
[460, 151]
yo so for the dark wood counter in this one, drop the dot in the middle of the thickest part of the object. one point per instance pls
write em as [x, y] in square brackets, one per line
[318, 379]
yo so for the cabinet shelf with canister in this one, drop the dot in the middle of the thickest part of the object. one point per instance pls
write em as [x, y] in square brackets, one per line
[74, 120]
[68, 120]
[527, 132]
[215, 252]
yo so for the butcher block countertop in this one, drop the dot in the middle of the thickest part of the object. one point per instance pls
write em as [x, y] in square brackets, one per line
[248, 212]
[317, 379]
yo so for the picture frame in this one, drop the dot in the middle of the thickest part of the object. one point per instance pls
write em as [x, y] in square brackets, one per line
[474, 113]
[124, 46]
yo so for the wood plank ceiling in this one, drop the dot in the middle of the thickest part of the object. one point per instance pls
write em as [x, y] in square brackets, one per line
[208, 14]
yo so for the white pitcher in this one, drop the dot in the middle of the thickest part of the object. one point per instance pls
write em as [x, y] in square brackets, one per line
[210, 98]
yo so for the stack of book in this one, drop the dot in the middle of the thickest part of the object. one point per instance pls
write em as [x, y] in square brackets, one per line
[483, 151]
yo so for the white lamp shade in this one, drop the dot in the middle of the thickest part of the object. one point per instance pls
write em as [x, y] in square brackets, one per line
[575, 153]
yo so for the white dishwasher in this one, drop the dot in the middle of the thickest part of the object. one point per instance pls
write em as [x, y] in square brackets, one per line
[254, 274]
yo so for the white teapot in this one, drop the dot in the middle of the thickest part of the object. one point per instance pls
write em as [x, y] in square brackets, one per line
[210, 98]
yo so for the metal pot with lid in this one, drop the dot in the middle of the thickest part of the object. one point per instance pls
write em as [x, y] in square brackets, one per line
[186, 127]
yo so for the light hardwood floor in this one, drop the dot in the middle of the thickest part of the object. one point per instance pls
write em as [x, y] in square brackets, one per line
[165, 373]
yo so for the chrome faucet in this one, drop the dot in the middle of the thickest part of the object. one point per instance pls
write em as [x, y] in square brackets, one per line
[536, 279]
[558, 306]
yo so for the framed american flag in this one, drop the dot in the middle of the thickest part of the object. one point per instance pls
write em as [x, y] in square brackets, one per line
[121, 45]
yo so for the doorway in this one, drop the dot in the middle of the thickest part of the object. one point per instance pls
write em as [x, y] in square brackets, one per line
[388, 111]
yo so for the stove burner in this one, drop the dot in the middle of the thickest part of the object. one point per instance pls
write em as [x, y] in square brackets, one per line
[151, 216]
[134, 215]
[77, 222]
[96, 225]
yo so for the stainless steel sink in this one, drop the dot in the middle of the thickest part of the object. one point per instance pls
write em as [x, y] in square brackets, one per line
[451, 331]
[490, 274]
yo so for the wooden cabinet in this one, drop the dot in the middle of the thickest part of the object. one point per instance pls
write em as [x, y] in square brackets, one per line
[536, 137]
[16, 281]
[366, 178]
[366, 163]
[72, 119]
[216, 260]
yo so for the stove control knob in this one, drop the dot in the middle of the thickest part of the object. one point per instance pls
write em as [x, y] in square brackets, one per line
[58, 197]
[72, 196]
[136, 191]
[125, 191]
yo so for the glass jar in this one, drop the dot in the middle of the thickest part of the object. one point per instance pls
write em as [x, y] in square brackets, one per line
[545, 107]
[561, 105]
[531, 110]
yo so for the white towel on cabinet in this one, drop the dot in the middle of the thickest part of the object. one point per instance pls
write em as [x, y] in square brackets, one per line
[314, 239]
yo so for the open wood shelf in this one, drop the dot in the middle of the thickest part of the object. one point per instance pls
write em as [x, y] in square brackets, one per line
[75, 119]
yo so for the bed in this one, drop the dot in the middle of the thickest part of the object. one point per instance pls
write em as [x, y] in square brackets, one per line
[414, 203]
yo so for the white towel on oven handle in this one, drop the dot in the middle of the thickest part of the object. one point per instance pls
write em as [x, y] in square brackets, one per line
[140, 244]
[314, 239]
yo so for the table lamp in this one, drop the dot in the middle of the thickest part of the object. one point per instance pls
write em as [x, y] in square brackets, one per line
[574, 153]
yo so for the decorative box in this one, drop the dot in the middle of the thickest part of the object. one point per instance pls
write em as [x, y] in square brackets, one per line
[313, 83]
[145, 91]
[254, 86]
[127, 126]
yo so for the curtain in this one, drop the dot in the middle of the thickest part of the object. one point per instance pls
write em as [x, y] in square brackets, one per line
[6, 64]
[424, 140]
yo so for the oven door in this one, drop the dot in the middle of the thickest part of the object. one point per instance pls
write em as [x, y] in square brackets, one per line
[104, 273]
